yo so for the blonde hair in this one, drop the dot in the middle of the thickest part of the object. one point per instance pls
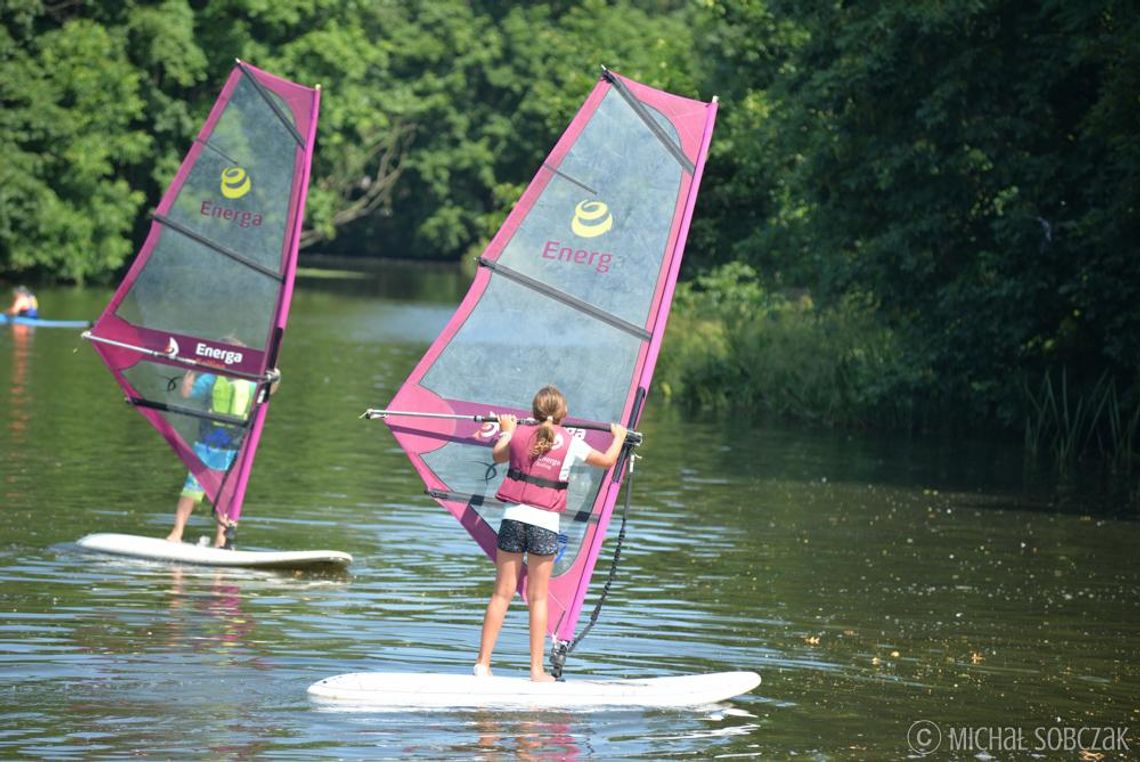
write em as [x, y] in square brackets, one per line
[549, 407]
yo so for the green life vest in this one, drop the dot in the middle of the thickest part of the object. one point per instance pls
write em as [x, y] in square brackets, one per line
[228, 397]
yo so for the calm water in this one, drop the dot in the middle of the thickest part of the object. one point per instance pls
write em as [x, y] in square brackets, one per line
[873, 583]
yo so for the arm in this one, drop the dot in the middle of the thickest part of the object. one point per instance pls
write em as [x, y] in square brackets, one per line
[609, 457]
[186, 389]
[500, 453]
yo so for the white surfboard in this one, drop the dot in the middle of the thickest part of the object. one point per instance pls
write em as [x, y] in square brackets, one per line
[397, 690]
[158, 549]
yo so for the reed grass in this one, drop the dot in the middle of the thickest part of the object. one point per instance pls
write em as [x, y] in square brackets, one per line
[1073, 425]
[733, 346]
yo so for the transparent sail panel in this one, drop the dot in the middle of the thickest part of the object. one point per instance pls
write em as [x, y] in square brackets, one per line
[604, 245]
[235, 198]
[164, 385]
[517, 340]
[469, 470]
[191, 289]
[237, 194]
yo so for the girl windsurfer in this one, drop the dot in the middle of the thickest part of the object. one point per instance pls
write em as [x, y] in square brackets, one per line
[535, 492]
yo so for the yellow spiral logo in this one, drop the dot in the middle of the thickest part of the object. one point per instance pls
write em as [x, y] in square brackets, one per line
[591, 219]
[235, 182]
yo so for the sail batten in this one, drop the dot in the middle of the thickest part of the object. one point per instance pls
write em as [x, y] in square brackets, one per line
[639, 108]
[573, 290]
[215, 149]
[191, 333]
[264, 93]
[170, 407]
[569, 179]
[176, 226]
[567, 299]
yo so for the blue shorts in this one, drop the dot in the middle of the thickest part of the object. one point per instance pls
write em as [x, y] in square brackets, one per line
[517, 537]
[213, 457]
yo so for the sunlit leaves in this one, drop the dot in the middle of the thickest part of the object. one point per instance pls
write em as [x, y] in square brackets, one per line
[67, 125]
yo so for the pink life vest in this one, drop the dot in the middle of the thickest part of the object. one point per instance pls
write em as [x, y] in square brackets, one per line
[535, 481]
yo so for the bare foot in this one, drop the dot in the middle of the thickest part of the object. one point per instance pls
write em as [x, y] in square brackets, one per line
[541, 677]
[481, 670]
[174, 537]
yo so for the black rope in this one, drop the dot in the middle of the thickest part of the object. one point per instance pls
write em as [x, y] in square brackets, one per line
[562, 649]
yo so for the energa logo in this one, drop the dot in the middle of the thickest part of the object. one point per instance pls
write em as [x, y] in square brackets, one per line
[488, 431]
[591, 219]
[235, 182]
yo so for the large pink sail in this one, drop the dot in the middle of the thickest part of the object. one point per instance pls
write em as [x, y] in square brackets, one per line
[573, 290]
[209, 290]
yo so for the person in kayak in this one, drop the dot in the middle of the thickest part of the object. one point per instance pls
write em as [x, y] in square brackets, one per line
[24, 303]
[535, 490]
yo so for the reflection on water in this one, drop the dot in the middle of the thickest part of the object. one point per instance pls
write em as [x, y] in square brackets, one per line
[227, 628]
[549, 737]
[872, 582]
[19, 409]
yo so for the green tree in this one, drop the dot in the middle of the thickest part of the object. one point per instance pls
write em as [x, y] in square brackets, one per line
[66, 126]
[969, 165]
[486, 89]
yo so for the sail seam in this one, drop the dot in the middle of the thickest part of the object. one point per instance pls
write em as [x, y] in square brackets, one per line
[273, 105]
[567, 299]
[640, 109]
[218, 247]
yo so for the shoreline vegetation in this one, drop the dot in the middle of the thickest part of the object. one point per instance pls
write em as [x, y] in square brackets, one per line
[735, 349]
[917, 218]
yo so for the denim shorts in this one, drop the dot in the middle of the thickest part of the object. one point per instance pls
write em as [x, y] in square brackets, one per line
[517, 537]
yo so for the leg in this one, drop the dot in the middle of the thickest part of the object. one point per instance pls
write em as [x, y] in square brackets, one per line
[508, 567]
[538, 569]
[192, 494]
[182, 513]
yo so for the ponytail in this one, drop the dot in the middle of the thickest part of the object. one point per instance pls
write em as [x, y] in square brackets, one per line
[549, 406]
[543, 438]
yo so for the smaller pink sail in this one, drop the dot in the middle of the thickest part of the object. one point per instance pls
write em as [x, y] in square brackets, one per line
[573, 290]
[207, 297]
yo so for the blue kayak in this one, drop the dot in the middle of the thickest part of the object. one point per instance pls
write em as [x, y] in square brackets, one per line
[43, 323]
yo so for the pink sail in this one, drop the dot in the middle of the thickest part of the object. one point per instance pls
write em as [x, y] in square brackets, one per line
[209, 290]
[573, 290]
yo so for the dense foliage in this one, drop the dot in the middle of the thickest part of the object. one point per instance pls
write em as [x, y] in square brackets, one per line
[913, 213]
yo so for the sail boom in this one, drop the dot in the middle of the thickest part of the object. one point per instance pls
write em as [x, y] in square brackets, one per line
[189, 361]
[633, 437]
